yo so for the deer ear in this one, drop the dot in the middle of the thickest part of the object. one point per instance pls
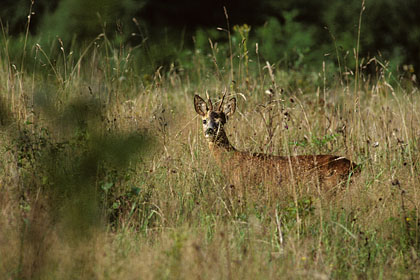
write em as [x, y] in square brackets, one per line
[200, 105]
[230, 107]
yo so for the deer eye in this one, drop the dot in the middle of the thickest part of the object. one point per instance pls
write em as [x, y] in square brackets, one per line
[204, 121]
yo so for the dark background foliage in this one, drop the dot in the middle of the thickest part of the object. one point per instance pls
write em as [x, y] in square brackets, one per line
[390, 29]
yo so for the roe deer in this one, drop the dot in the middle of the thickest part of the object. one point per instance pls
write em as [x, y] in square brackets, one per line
[243, 167]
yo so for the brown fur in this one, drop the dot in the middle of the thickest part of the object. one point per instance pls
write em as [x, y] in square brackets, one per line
[243, 167]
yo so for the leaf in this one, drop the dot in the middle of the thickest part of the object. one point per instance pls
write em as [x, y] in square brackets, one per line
[107, 186]
[116, 205]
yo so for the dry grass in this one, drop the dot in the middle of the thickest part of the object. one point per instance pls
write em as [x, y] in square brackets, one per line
[166, 212]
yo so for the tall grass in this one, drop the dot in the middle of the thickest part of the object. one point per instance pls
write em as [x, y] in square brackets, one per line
[106, 174]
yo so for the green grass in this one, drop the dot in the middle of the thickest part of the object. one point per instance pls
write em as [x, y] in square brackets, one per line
[105, 173]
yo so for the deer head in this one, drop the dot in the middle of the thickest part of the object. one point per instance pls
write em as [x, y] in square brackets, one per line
[214, 119]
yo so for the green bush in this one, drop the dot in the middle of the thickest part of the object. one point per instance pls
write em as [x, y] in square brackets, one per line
[291, 44]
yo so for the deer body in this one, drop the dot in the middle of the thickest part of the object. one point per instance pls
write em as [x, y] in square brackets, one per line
[256, 168]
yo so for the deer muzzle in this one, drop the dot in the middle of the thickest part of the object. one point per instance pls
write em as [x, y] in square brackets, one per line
[209, 132]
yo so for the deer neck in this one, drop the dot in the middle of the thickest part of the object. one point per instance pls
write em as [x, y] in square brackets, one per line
[221, 143]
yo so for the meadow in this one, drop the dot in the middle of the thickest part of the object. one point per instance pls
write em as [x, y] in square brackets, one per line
[105, 172]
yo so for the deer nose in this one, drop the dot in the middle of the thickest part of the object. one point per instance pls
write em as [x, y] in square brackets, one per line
[209, 131]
